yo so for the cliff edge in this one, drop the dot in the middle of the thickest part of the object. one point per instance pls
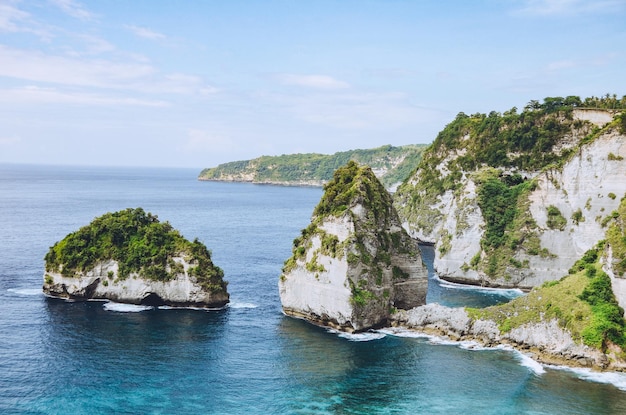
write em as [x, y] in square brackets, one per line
[513, 200]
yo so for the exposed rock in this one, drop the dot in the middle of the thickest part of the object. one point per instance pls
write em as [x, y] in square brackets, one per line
[354, 265]
[181, 291]
[546, 341]
[582, 186]
[130, 257]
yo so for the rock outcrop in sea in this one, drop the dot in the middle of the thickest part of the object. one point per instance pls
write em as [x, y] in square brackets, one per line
[131, 257]
[354, 266]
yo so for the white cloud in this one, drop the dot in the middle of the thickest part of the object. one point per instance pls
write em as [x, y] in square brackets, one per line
[145, 33]
[569, 7]
[14, 20]
[11, 18]
[37, 95]
[72, 71]
[73, 8]
[565, 64]
[36, 66]
[312, 81]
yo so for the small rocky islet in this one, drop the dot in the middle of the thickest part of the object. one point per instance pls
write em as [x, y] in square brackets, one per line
[131, 257]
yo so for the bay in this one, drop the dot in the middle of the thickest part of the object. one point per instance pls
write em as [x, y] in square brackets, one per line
[59, 357]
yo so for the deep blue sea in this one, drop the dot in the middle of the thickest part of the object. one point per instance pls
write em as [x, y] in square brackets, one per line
[59, 357]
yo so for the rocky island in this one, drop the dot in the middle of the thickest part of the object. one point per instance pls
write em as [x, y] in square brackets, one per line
[131, 257]
[354, 266]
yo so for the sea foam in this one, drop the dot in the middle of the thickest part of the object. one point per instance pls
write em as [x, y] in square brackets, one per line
[613, 378]
[26, 291]
[524, 360]
[237, 305]
[505, 292]
[358, 337]
[125, 308]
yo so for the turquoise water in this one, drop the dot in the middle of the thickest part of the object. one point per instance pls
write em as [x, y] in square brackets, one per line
[101, 358]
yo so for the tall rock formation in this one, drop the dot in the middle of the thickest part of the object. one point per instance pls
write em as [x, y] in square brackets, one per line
[354, 265]
[514, 200]
[131, 257]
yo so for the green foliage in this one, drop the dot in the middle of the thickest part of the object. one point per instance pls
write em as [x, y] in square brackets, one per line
[352, 184]
[616, 238]
[296, 168]
[555, 218]
[612, 195]
[577, 217]
[399, 274]
[613, 157]
[360, 296]
[607, 320]
[139, 243]
[498, 200]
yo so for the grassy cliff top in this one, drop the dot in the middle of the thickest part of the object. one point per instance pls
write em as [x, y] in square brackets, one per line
[139, 243]
[543, 134]
[313, 167]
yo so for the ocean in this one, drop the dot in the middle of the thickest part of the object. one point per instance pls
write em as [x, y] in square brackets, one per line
[59, 357]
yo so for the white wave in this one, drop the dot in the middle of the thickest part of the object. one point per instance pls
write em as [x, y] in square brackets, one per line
[237, 305]
[536, 367]
[527, 361]
[401, 332]
[505, 292]
[169, 307]
[612, 378]
[26, 291]
[358, 337]
[125, 308]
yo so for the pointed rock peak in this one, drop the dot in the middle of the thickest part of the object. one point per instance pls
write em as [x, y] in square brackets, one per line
[354, 185]
[354, 265]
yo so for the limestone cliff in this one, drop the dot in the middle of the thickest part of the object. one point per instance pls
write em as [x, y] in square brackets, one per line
[513, 200]
[577, 320]
[354, 265]
[131, 257]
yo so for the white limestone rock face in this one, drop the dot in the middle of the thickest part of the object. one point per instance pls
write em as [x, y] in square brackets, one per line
[102, 283]
[549, 342]
[585, 189]
[354, 265]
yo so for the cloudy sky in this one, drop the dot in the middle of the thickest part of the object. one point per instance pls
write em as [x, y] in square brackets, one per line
[198, 83]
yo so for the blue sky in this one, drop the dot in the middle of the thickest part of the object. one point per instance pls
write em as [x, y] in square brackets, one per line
[198, 83]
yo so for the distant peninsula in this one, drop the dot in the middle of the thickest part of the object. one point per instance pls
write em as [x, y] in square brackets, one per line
[131, 257]
[392, 165]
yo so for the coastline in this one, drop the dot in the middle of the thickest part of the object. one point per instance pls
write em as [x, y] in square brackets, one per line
[545, 342]
[312, 183]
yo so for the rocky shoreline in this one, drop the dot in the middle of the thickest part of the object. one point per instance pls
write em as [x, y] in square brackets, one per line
[546, 342]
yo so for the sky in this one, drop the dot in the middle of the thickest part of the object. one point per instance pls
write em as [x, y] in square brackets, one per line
[199, 83]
